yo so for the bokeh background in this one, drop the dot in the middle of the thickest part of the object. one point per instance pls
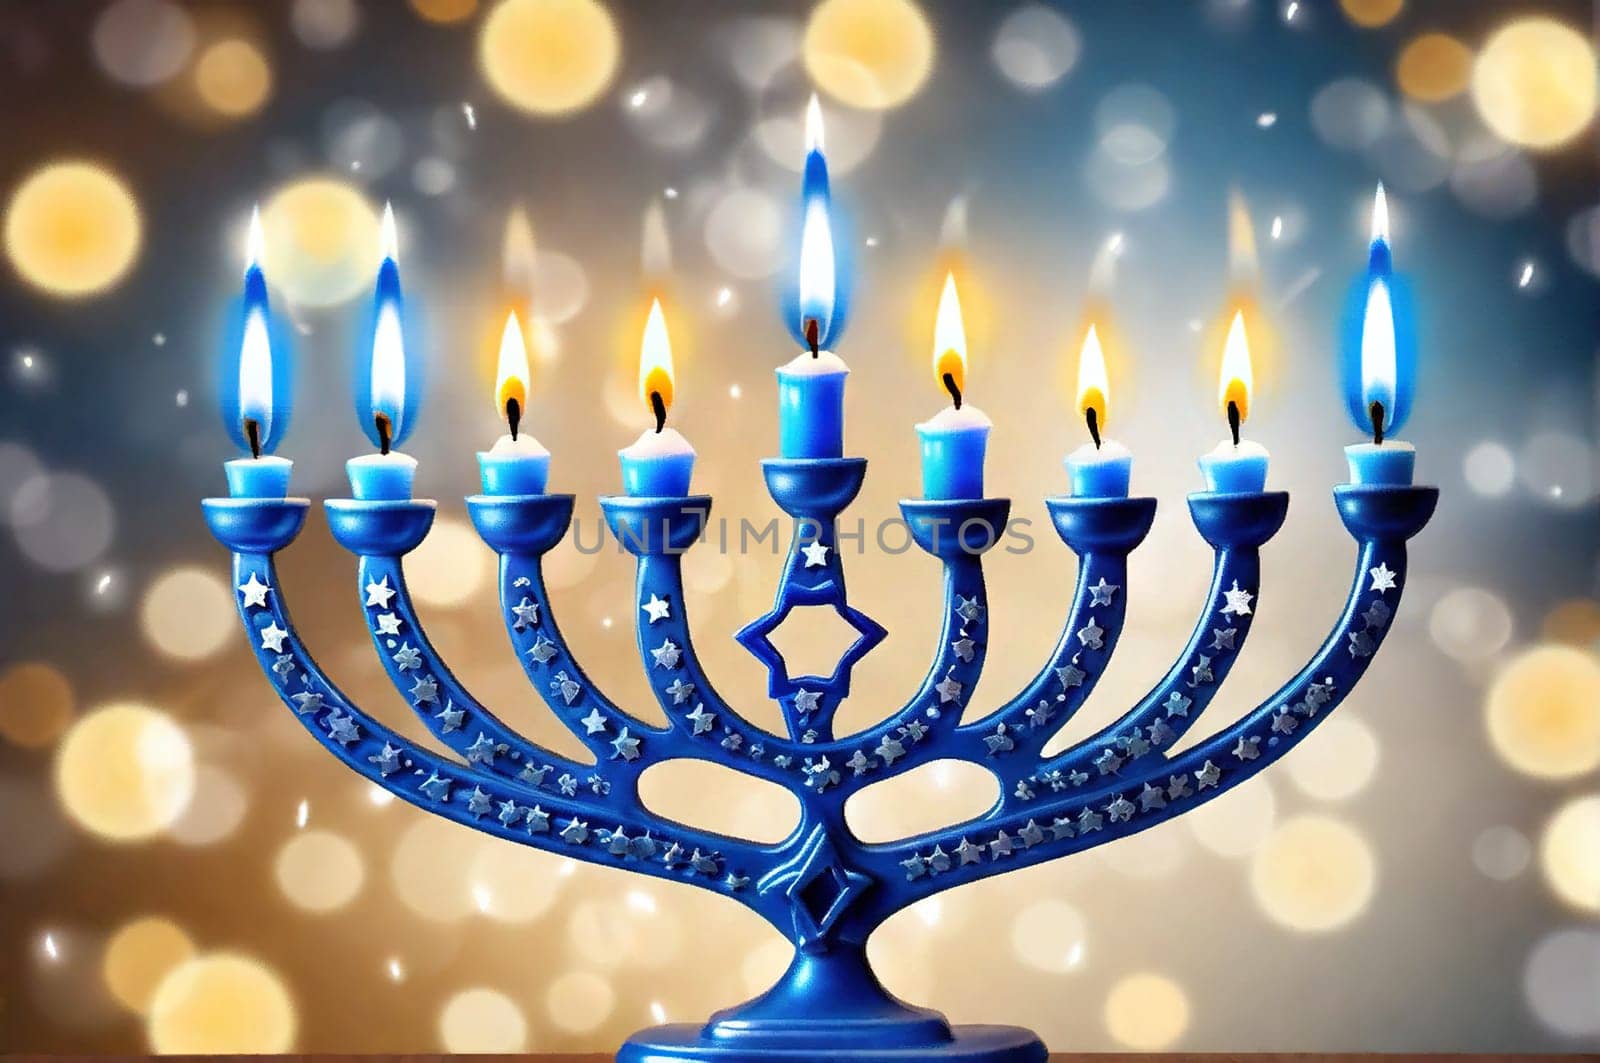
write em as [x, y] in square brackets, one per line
[184, 870]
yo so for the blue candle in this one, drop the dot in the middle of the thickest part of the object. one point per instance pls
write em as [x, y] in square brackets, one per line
[1376, 400]
[660, 462]
[517, 464]
[263, 477]
[388, 475]
[811, 406]
[1236, 465]
[1100, 469]
[953, 446]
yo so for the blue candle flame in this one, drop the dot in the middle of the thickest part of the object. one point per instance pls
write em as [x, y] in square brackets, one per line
[816, 292]
[1379, 349]
[388, 386]
[255, 381]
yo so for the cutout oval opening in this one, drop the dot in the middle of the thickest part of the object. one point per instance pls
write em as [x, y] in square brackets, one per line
[929, 797]
[708, 796]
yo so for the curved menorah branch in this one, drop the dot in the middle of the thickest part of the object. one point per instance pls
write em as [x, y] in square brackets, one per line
[1381, 519]
[538, 814]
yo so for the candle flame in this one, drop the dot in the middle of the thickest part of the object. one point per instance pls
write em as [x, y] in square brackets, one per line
[814, 125]
[511, 378]
[389, 366]
[255, 241]
[1378, 368]
[388, 238]
[255, 374]
[950, 337]
[1380, 215]
[1094, 386]
[1236, 381]
[655, 359]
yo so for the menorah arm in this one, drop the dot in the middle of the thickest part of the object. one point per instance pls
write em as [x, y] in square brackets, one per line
[1381, 518]
[618, 832]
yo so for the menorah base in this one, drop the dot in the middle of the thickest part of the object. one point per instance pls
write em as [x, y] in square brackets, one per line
[829, 1005]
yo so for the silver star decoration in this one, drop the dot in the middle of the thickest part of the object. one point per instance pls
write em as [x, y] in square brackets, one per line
[967, 853]
[543, 650]
[342, 729]
[308, 701]
[576, 832]
[820, 775]
[1031, 834]
[509, 813]
[1024, 790]
[408, 658]
[1284, 724]
[964, 648]
[625, 746]
[1103, 592]
[567, 784]
[594, 723]
[1177, 705]
[644, 847]
[914, 866]
[537, 821]
[673, 856]
[913, 731]
[564, 685]
[450, 717]
[736, 882]
[618, 843]
[1071, 676]
[704, 863]
[1361, 644]
[1161, 734]
[1223, 638]
[388, 624]
[730, 740]
[949, 689]
[1178, 786]
[656, 608]
[1055, 779]
[272, 637]
[1208, 775]
[1238, 601]
[254, 591]
[1377, 614]
[387, 759]
[807, 701]
[859, 763]
[482, 750]
[757, 751]
[478, 803]
[1089, 820]
[969, 609]
[435, 787]
[1151, 798]
[1382, 578]
[1108, 762]
[526, 613]
[1201, 673]
[283, 665]
[1320, 693]
[1121, 810]
[816, 554]
[1135, 746]
[1001, 846]
[1061, 829]
[938, 861]
[666, 654]
[890, 749]
[999, 742]
[378, 594]
[534, 776]
[681, 691]
[1040, 714]
[1092, 635]
[1077, 777]
[424, 690]
[700, 720]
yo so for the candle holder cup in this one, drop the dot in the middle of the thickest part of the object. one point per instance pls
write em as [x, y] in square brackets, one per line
[821, 887]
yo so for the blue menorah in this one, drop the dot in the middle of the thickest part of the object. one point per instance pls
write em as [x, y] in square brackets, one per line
[821, 887]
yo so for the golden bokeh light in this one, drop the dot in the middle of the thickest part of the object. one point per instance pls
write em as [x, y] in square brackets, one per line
[549, 57]
[579, 1001]
[513, 884]
[1534, 83]
[1049, 935]
[72, 228]
[1340, 763]
[321, 241]
[139, 955]
[1434, 67]
[1575, 622]
[1313, 874]
[1236, 823]
[221, 1003]
[482, 1020]
[187, 613]
[36, 704]
[1371, 14]
[1569, 853]
[232, 78]
[872, 54]
[320, 871]
[1544, 712]
[450, 566]
[125, 772]
[1147, 1012]
[445, 11]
